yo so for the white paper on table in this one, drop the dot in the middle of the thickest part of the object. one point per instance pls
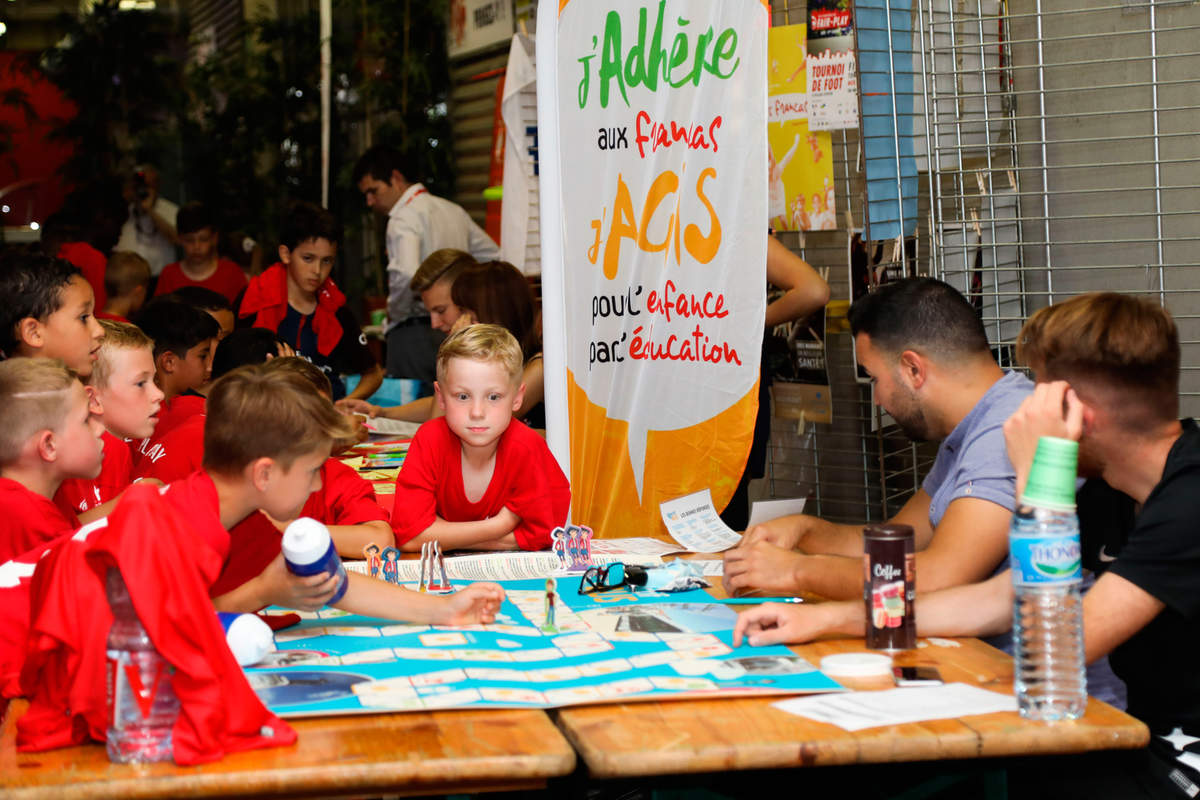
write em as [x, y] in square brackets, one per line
[709, 568]
[637, 546]
[854, 711]
[390, 427]
[522, 565]
[694, 523]
[766, 510]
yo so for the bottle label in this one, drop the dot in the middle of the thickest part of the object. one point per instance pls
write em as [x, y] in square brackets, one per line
[1043, 561]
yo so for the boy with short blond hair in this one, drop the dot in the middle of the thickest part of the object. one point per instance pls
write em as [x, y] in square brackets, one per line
[49, 434]
[471, 479]
[123, 382]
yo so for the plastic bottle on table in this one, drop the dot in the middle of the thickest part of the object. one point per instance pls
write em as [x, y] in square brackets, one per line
[1050, 678]
[142, 706]
[308, 549]
[249, 638]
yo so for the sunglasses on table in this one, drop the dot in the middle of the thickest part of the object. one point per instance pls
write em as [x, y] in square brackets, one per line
[612, 576]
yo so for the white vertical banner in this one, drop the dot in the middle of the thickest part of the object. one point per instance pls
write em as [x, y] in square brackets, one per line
[519, 241]
[653, 191]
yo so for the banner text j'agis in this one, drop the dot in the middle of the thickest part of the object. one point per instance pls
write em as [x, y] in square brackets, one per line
[648, 61]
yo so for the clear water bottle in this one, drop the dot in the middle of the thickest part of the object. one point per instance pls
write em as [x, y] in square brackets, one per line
[1050, 678]
[142, 706]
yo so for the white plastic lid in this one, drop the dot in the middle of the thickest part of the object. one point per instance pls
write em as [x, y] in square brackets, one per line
[305, 541]
[249, 639]
[857, 665]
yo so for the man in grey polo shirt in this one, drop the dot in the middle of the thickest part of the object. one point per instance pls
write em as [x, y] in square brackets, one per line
[932, 369]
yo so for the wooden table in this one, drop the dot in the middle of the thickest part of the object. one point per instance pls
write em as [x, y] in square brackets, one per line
[691, 736]
[418, 753]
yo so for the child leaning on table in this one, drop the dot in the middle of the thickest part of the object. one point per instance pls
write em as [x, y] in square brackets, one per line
[49, 435]
[471, 479]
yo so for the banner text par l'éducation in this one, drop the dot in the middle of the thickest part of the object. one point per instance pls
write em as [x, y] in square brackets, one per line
[661, 121]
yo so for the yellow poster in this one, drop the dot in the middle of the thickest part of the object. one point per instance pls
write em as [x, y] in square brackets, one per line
[799, 161]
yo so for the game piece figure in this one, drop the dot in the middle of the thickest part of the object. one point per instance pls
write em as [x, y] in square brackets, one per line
[374, 562]
[391, 567]
[421, 581]
[585, 547]
[438, 582]
[549, 626]
[558, 545]
[573, 547]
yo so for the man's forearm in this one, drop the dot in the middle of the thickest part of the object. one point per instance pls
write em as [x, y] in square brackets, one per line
[831, 577]
[830, 538]
[977, 609]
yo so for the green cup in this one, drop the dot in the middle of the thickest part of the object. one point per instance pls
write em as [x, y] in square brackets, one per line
[379, 316]
[1051, 481]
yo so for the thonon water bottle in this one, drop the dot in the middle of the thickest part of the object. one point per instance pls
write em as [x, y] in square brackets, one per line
[1050, 679]
[142, 706]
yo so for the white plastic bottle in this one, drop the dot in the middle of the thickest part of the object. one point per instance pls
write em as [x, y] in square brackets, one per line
[308, 549]
[1050, 676]
[249, 638]
[142, 706]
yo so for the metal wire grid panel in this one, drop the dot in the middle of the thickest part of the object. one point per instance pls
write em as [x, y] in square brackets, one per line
[852, 469]
[1064, 156]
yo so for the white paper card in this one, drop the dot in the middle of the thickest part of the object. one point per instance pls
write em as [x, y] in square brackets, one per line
[766, 510]
[693, 522]
[855, 711]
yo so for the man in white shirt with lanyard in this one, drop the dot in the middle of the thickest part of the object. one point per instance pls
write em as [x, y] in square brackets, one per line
[418, 223]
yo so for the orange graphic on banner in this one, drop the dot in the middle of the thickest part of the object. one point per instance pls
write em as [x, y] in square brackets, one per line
[606, 500]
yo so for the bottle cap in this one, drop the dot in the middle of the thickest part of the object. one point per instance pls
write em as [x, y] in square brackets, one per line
[305, 541]
[1051, 481]
[857, 665]
[249, 638]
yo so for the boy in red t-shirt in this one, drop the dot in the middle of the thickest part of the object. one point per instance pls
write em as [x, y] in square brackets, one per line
[471, 479]
[48, 311]
[129, 400]
[197, 230]
[49, 435]
[184, 338]
[127, 281]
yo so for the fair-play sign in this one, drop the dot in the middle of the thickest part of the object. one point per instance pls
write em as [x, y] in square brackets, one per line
[659, 153]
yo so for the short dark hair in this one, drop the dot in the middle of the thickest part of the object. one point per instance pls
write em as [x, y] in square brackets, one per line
[241, 347]
[306, 221]
[922, 314]
[176, 327]
[379, 162]
[193, 217]
[125, 271]
[201, 298]
[31, 285]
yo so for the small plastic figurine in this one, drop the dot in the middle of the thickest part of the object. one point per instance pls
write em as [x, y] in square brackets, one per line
[374, 562]
[549, 625]
[558, 544]
[391, 567]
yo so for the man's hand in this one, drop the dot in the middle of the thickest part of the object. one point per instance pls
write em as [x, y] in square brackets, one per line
[1052, 410]
[775, 623]
[786, 537]
[478, 603]
[761, 567]
[281, 587]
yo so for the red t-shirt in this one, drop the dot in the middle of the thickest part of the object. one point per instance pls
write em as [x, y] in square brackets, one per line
[77, 495]
[228, 280]
[169, 547]
[29, 519]
[113, 317]
[91, 262]
[172, 414]
[176, 455]
[526, 480]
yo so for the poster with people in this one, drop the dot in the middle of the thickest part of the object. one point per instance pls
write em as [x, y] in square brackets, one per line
[653, 204]
[799, 160]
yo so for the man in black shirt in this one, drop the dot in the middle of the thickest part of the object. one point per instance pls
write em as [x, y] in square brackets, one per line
[1108, 371]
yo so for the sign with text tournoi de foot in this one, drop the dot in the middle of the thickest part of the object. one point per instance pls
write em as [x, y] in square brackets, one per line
[652, 153]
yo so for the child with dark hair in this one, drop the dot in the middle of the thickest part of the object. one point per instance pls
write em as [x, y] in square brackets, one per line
[201, 266]
[215, 304]
[127, 283]
[48, 311]
[184, 338]
[298, 300]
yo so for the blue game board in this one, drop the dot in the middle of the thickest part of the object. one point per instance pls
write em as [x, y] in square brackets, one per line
[610, 646]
